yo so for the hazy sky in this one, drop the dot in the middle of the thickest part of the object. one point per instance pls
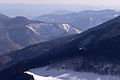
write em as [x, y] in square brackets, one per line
[84, 2]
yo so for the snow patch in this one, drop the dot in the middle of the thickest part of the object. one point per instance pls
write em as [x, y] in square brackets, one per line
[66, 27]
[53, 74]
[116, 15]
[30, 27]
[91, 18]
[78, 31]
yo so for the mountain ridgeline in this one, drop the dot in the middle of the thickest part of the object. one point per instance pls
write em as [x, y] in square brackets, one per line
[95, 50]
[82, 20]
[20, 32]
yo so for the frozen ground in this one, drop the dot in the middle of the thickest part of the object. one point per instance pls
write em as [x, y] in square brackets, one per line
[54, 74]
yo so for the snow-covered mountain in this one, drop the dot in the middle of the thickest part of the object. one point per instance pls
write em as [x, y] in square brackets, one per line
[94, 52]
[82, 20]
[19, 32]
[52, 30]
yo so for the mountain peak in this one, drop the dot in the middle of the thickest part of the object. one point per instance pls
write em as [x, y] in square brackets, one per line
[20, 19]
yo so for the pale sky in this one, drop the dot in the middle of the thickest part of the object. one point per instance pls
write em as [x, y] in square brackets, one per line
[84, 2]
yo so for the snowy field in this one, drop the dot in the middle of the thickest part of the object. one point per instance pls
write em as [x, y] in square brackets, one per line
[54, 74]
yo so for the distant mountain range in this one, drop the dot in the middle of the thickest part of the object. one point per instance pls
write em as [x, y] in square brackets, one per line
[33, 10]
[95, 50]
[82, 20]
[19, 32]
[61, 12]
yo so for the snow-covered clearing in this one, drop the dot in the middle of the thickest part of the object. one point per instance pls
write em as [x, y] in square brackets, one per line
[54, 74]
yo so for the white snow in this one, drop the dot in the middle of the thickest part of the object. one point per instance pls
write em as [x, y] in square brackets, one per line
[53, 74]
[116, 15]
[66, 27]
[78, 31]
[32, 30]
[51, 31]
[91, 18]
